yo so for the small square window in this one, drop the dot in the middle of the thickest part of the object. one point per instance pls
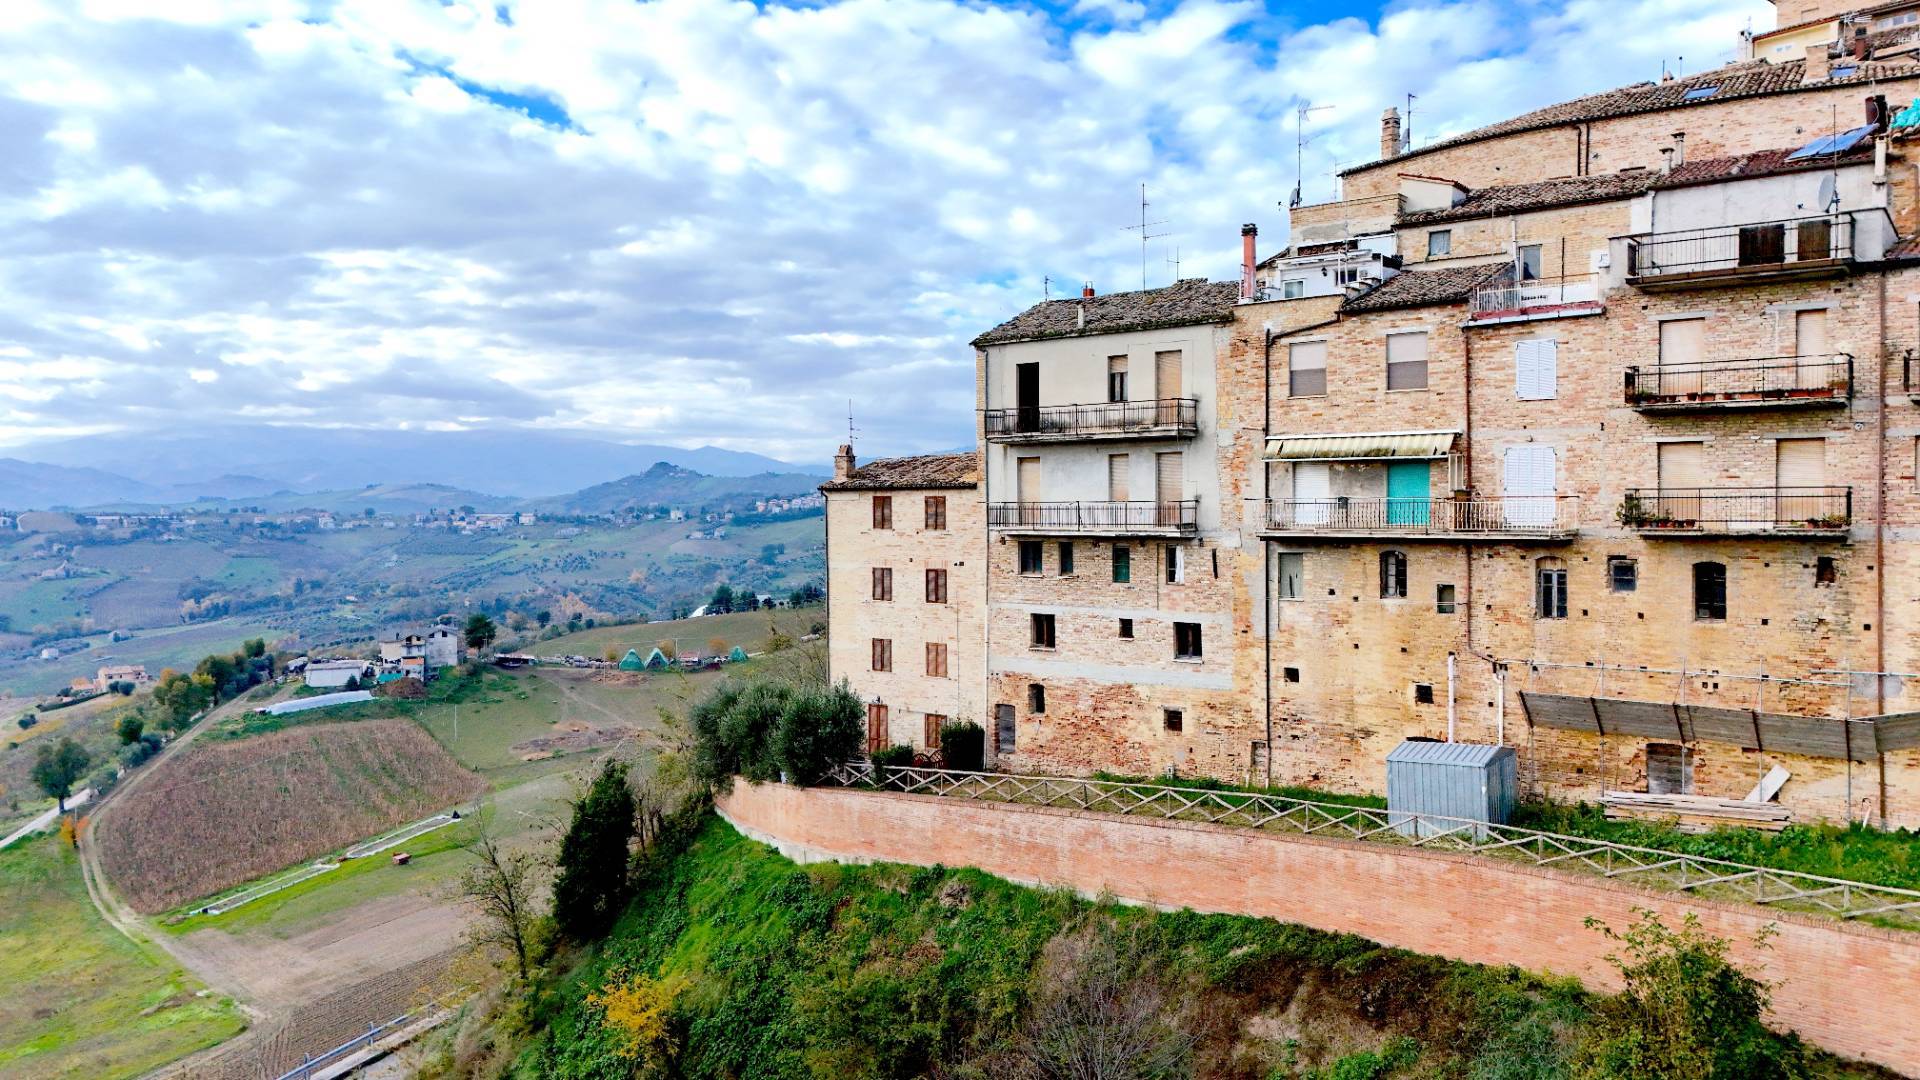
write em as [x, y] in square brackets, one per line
[1623, 574]
[1126, 629]
[1443, 602]
[1291, 674]
[1186, 641]
[1422, 693]
[1292, 289]
[1033, 556]
[1826, 570]
[1439, 242]
[1066, 557]
[1043, 631]
[1173, 719]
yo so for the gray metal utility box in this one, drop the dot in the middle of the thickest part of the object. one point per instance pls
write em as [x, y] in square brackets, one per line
[1449, 780]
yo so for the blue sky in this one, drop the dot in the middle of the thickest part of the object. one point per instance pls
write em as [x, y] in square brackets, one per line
[683, 221]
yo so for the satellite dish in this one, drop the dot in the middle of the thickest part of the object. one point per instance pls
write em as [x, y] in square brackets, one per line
[1829, 195]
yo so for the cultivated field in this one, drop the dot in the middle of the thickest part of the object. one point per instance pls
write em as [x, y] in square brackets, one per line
[76, 998]
[229, 812]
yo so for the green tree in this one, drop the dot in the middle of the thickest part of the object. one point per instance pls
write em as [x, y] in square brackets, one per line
[480, 632]
[592, 866]
[254, 648]
[543, 618]
[130, 728]
[822, 726]
[722, 600]
[55, 769]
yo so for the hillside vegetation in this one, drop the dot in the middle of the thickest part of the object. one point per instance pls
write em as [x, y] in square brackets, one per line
[227, 812]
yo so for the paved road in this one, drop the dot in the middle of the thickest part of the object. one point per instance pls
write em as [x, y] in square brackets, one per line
[79, 798]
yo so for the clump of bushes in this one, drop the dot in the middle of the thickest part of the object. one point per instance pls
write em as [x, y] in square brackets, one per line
[893, 757]
[767, 731]
[964, 745]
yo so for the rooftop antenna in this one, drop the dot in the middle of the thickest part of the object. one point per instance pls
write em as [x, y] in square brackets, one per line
[1406, 126]
[1174, 261]
[1301, 112]
[850, 428]
[1144, 234]
[1046, 289]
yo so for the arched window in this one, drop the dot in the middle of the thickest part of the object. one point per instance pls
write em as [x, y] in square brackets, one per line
[1550, 588]
[1393, 574]
[1709, 590]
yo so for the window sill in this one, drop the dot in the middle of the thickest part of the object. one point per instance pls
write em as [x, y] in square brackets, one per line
[1043, 648]
[1189, 660]
[1410, 390]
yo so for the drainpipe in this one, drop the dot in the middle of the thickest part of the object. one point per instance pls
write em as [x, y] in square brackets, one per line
[1450, 716]
[1266, 546]
[1880, 548]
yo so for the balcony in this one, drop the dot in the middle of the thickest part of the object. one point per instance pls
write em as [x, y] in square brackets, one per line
[1775, 382]
[1162, 418]
[1517, 517]
[1775, 511]
[1536, 298]
[1804, 247]
[1095, 518]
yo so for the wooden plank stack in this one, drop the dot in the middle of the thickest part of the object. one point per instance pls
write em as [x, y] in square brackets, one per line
[1695, 813]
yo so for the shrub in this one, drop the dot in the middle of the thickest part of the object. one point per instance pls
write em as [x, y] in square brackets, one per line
[893, 757]
[27, 720]
[964, 744]
[140, 750]
[130, 728]
[764, 730]
[819, 729]
[592, 880]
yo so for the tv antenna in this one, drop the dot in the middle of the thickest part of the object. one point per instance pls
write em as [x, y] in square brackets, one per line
[1301, 112]
[850, 428]
[1046, 289]
[1144, 234]
[1406, 126]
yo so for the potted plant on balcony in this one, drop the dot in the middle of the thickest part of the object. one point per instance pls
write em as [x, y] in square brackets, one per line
[1636, 513]
[1827, 522]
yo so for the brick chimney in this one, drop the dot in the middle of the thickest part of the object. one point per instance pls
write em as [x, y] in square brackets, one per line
[1390, 134]
[843, 464]
[1817, 63]
[1086, 291]
[1248, 234]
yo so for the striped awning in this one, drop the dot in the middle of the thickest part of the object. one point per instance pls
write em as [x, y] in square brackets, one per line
[1399, 444]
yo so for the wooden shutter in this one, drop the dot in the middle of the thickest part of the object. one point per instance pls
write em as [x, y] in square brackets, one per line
[931, 736]
[1527, 485]
[1027, 479]
[936, 660]
[1683, 470]
[882, 654]
[876, 728]
[1118, 468]
[1536, 369]
[1800, 464]
[1683, 345]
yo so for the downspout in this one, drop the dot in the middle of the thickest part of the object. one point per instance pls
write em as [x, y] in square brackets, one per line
[1266, 547]
[1466, 470]
[1879, 549]
[986, 564]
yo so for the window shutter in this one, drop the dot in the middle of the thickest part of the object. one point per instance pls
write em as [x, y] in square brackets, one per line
[1527, 485]
[1536, 369]
[1169, 477]
[1118, 465]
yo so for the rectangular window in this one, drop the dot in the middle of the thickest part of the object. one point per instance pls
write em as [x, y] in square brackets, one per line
[1166, 374]
[1116, 378]
[936, 586]
[930, 737]
[1172, 719]
[1550, 592]
[882, 583]
[1066, 557]
[1709, 591]
[1623, 574]
[1119, 468]
[1536, 363]
[1033, 555]
[1293, 576]
[1004, 729]
[1176, 564]
[1169, 477]
[1439, 242]
[1393, 575]
[1036, 700]
[1443, 599]
[882, 654]
[883, 511]
[1122, 563]
[1307, 369]
[1346, 275]
[1826, 570]
[1423, 693]
[937, 659]
[936, 512]
[1292, 288]
[1042, 631]
[1026, 475]
[1186, 640]
[1126, 629]
[876, 727]
[1669, 772]
[1528, 260]
[1407, 361]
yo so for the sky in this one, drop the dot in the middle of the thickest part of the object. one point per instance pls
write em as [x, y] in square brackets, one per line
[680, 221]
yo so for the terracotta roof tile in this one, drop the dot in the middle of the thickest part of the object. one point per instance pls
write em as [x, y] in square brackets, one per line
[1758, 163]
[1184, 303]
[1519, 198]
[1424, 288]
[924, 471]
[1905, 249]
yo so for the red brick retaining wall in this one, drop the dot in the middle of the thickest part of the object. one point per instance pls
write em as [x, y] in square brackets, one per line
[1850, 989]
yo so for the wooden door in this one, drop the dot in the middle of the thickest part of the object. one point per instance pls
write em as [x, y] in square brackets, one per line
[1683, 344]
[1026, 397]
[1003, 729]
[1683, 472]
[1800, 465]
[1810, 341]
[1409, 492]
[876, 728]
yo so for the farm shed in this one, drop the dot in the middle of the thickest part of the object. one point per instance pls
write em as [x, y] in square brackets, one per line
[1448, 780]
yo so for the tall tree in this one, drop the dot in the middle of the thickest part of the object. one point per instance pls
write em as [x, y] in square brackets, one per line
[500, 885]
[480, 632]
[57, 767]
[592, 880]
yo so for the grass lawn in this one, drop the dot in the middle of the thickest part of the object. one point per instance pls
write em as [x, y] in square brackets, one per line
[745, 628]
[80, 999]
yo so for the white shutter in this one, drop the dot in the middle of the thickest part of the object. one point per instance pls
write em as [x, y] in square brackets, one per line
[1527, 485]
[1312, 490]
[1536, 363]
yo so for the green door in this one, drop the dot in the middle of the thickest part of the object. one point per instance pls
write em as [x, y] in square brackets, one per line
[1407, 494]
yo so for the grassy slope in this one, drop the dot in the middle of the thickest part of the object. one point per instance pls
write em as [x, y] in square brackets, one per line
[80, 1000]
[745, 628]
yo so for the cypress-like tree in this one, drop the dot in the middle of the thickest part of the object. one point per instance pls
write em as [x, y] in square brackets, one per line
[592, 879]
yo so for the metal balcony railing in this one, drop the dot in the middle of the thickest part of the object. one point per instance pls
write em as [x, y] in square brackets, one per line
[1760, 247]
[1782, 380]
[1517, 515]
[1161, 416]
[1535, 296]
[1095, 517]
[1738, 510]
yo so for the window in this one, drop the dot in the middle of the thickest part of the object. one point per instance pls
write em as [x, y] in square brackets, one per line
[1293, 288]
[1669, 769]
[1393, 574]
[1291, 674]
[1709, 591]
[876, 727]
[1066, 557]
[1176, 564]
[1346, 275]
[1700, 93]
[1116, 378]
[1439, 242]
[1036, 699]
[1623, 574]
[1443, 601]
[1004, 729]
[936, 586]
[882, 583]
[1032, 556]
[1423, 693]
[936, 512]
[1527, 259]
[883, 511]
[1536, 363]
[1826, 570]
[1293, 577]
[931, 735]
[1172, 719]
[1042, 631]
[1407, 361]
[1122, 563]
[1186, 640]
[937, 659]
[1307, 369]
[882, 654]
[1126, 629]
[1550, 588]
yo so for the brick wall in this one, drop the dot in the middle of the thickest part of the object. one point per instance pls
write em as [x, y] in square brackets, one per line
[1838, 985]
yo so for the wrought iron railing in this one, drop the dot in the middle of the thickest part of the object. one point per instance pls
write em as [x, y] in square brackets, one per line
[1761, 509]
[1159, 416]
[1512, 515]
[1759, 246]
[1095, 516]
[1774, 378]
[1698, 875]
[1535, 295]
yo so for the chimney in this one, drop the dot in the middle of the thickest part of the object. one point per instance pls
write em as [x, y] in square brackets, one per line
[1877, 115]
[1248, 233]
[1679, 148]
[1390, 134]
[1817, 63]
[1666, 160]
[843, 464]
[1086, 291]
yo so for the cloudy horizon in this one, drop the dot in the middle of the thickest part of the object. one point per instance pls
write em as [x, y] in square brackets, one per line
[685, 221]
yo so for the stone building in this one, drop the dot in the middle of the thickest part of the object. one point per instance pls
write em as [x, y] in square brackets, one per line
[906, 580]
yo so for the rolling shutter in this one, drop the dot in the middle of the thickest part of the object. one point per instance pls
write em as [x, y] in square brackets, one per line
[1169, 477]
[1683, 471]
[1312, 491]
[1028, 479]
[1527, 485]
[1810, 339]
[1536, 364]
[1683, 345]
[1799, 465]
[1166, 374]
[1118, 468]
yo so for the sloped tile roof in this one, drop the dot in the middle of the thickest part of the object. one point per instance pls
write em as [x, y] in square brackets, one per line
[1758, 163]
[924, 471]
[1519, 198]
[1752, 78]
[1184, 303]
[1424, 288]
[1905, 249]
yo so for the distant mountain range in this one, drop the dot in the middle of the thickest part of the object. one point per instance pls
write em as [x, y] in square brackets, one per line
[270, 465]
[671, 485]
